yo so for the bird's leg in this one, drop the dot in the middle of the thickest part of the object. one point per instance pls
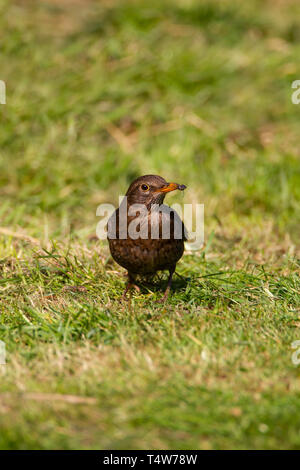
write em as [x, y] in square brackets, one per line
[126, 290]
[166, 294]
[130, 284]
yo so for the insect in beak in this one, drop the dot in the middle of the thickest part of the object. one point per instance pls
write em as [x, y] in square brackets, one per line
[171, 187]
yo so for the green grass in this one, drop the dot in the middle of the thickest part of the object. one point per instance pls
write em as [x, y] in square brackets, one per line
[97, 94]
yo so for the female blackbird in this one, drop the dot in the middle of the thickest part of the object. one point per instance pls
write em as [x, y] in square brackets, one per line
[144, 235]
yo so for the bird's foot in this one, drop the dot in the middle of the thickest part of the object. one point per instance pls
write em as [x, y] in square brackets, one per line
[164, 298]
[129, 286]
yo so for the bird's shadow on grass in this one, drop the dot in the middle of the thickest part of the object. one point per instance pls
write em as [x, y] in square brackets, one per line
[158, 284]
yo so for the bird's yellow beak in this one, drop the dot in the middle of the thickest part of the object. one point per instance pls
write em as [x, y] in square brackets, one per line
[171, 187]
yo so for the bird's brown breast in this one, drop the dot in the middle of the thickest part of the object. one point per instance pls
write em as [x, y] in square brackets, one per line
[145, 256]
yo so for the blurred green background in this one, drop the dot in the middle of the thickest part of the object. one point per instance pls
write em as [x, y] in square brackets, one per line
[98, 93]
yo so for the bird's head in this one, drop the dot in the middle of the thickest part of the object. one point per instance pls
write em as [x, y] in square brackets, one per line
[150, 189]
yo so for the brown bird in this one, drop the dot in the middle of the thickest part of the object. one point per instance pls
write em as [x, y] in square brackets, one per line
[145, 235]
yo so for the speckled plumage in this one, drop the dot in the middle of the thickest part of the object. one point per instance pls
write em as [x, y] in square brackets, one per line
[147, 255]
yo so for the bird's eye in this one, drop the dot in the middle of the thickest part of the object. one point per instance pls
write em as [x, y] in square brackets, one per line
[145, 187]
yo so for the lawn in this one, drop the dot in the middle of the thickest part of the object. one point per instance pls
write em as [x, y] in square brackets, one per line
[99, 93]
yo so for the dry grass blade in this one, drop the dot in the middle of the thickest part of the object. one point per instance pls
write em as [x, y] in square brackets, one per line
[37, 396]
[21, 236]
